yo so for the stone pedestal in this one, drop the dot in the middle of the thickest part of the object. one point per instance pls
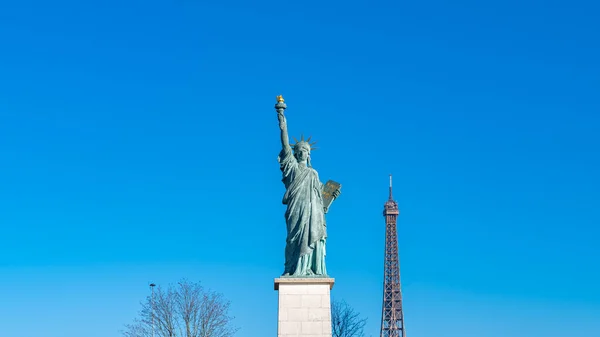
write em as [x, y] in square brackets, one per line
[304, 307]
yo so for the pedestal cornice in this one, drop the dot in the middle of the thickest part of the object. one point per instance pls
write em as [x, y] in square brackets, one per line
[304, 280]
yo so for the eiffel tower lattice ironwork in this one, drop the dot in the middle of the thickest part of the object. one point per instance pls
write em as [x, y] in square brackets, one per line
[392, 317]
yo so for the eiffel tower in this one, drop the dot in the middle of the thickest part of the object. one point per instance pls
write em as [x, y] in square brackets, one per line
[392, 317]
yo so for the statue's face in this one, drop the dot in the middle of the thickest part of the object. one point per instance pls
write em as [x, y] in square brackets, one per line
[302, 153]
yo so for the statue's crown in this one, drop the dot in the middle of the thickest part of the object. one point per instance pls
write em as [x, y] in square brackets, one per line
[307, 142]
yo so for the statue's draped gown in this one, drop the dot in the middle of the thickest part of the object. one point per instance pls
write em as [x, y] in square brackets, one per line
[305, 218]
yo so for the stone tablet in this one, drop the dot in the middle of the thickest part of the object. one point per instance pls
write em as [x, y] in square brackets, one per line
[328, 190]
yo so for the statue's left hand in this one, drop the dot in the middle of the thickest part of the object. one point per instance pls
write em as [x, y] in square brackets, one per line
[336, 193]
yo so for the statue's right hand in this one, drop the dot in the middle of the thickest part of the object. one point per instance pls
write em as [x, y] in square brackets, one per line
[282, 122]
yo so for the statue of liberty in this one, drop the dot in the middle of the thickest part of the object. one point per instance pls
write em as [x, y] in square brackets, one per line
[307, 201]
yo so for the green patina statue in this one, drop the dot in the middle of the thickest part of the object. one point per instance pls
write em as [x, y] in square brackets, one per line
[307, 201]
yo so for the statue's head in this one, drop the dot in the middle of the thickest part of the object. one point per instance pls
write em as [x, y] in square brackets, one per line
[302, 149]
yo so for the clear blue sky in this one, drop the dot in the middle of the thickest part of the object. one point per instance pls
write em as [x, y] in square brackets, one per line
[139, 142]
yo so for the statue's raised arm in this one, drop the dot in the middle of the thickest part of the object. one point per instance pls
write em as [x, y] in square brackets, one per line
[280, 107]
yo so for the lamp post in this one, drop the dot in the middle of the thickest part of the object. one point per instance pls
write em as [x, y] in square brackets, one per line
[152, 285]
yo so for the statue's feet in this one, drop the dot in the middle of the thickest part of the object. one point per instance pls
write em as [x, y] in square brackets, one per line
[286, 274]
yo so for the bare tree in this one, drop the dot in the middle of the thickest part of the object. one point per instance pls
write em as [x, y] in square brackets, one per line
[345, 322]
[183, 310]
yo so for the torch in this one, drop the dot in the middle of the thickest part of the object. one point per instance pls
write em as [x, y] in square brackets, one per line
[280, 106]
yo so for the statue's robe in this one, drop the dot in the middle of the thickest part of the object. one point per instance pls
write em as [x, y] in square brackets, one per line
[305, 218]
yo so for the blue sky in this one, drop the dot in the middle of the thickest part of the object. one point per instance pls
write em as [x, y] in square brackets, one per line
[139, 144]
